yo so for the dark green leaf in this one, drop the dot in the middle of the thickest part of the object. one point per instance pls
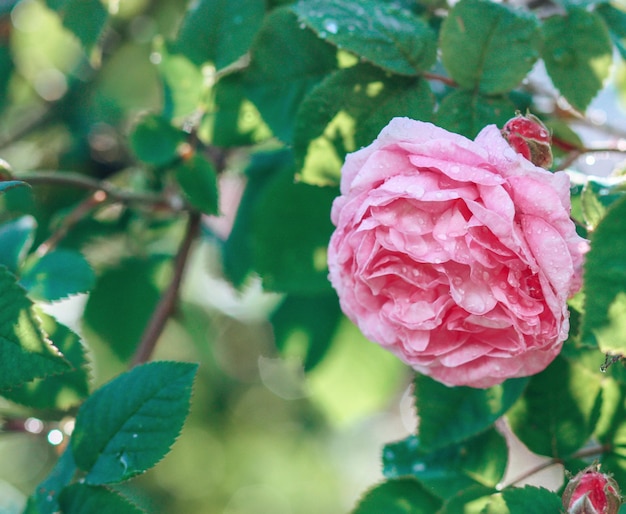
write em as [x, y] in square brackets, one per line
[604, 321]
[596, 197]
[447, 471]
[26, 351]
[155, 141]
[85, 18]
[487, 46]
[45, 499]
[307, 322]
[59, 391]
[287, 62]
[578, 66]
[220, 31]
[6, 185]
[532, 499]
[57, 275]
[467, 113]
[399, 496]
[129, 424]
[121, 304]
[87, 499]
[616, 21]
[450, 415]
[382, 34]
[16, 237]
[559, 409]
[198, 180]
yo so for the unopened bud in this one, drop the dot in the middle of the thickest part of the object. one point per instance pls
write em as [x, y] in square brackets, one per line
[529, 137]
[592, 492]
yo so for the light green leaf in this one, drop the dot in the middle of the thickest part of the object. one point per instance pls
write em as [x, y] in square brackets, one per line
[198, 180]
[26, 351]
[559, 409]
[382, 34]
[604, 277]
[597, 196]
[446, 472]
[129, 424]
[219, 31]
[87, 499]
[155, 141]
[475, 499]
[16, 237]
[57, 275]
[287, 62]
[467, 113]
[45, 499]
[450, 415]
[85, 18]
[532, 499]
[616, 22]
[182, 84]
[578, 66]
[489, 47]
[398, 496]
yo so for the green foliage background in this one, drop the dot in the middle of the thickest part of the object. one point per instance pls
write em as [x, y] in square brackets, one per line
[167, 175]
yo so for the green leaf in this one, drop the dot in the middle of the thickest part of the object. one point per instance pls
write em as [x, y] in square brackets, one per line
[475, 499]
[450, 415]
[597, 196]
[399, 496]
[129, 424]
[616, 22]
[26, 351]
[87, 499]
[447, 471]
[489, 47]
[59, 391]
[532, 499]
[121, 304]
[559, 409]
[466, 112]
[307, 323]
[578, 66]
[7, 185]
[382, 34]
[16, 238]
[290, 237]
[57, 275]
[219, 31]
[604, 276]
[287, 62]
[85, 18]
[347, 110]
[155, 141]
[198, 180]
[183, 84]
[45, 499]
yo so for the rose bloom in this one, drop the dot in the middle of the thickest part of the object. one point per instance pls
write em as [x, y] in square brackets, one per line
[458, 256]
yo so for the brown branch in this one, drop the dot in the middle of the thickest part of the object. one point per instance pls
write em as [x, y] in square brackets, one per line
[166, 306]
[439, 78]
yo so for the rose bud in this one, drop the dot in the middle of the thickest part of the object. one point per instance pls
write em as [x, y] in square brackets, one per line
[456, 255]
[592, 492]
[529, 137]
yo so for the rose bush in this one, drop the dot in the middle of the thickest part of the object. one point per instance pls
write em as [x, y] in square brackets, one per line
[456, 255]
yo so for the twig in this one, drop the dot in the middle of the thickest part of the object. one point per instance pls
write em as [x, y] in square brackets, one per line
[439, 78]
[167, 304]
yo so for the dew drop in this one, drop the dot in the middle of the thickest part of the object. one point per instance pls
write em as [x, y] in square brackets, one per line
[331, 26]
[418, 466]
[135, 436]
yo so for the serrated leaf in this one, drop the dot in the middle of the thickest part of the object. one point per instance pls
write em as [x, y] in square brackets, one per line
[121, 304]
[286, 62]
[447, 471]
[59, 391]
[488, 47]
[87, 499]
[605, 283]
[616, 22]
[450, 415]
[57, 275]
[467, 112]
[347, 110]
[399, 496]
[155, 141]
[596, 197]
[129, 424]
[475, 499]
[532, 499]
[26, 351]
[16, 237]
[558, 410]
[578, 66]
[220, 31]
[7, 185]
[85, 18]
[45, 499]
[382, 34]
[198, 180]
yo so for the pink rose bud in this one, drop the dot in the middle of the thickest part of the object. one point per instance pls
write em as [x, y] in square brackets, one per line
[592, 492]
[456, 255]
[529, 137]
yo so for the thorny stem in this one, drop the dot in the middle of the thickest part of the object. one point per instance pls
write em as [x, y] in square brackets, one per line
[167, 304]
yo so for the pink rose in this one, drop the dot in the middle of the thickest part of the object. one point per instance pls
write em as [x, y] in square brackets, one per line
[456, 255]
